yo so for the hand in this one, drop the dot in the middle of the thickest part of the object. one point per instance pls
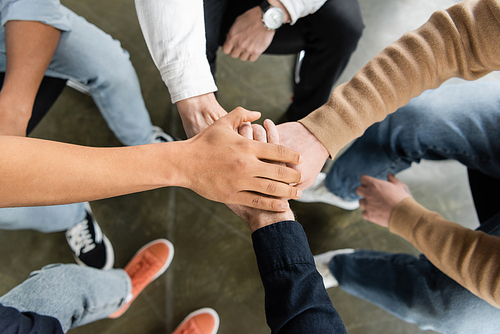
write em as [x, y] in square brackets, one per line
[199, 112]
[256, 218]
[296, 137]
[223, 166]
[381, 197]
[248, 38]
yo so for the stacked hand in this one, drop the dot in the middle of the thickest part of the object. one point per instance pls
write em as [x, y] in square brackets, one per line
[223, 166]
[296, 137]
[254, 217]
[381, 197]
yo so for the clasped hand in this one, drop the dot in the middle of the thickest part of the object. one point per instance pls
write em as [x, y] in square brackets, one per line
[223, 166]
[381, 197]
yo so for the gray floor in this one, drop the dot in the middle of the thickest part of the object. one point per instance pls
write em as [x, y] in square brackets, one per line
[214, 263]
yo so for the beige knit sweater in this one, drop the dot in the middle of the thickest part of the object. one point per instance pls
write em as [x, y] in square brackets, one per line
[462, 41]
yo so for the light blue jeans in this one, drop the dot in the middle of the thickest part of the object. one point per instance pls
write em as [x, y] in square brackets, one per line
[90, 56]
[72, 294]
[459, 122]
[44, 219]
[414, 290]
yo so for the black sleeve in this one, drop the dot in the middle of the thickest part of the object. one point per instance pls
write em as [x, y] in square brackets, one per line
[296, 299]
[14, 322]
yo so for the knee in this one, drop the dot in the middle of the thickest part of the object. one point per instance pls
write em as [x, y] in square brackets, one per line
[345, 21]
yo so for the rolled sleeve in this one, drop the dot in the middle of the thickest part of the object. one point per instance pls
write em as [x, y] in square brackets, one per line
[49, 12]
[301, 8]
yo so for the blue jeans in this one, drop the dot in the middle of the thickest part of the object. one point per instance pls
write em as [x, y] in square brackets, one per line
[414, 290]
[457, 122]
[452, 122]
[72, 294]
[88, 55]
[44, 219]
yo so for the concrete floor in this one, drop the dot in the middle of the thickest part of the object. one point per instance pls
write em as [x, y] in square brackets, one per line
[214, 263]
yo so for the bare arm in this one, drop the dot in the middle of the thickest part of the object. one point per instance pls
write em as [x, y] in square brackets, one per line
[30, 46]
[218, 164]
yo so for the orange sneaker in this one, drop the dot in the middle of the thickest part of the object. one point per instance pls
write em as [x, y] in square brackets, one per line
[147, 264]
[202, 321]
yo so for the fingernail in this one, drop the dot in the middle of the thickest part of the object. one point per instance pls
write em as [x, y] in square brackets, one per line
[285, 205]
[300, 159]
[299, 193]
[301, 178]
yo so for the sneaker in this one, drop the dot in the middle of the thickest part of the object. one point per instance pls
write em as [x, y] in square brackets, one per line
[90, 246]
[159, 136]
[147, 265]
[202, 321]
[322, 261]
[318, 192]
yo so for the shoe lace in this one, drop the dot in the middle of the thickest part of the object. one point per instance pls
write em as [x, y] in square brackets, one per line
[139, 273]
[189, 328]
[80, 239]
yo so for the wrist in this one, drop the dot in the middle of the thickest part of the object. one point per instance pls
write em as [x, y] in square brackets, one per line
[14, 117]
[199, 112]
[266, 218]
[171, 161]
[286, 15]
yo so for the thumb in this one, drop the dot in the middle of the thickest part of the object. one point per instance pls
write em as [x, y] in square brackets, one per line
[392, 179]
[238, 116]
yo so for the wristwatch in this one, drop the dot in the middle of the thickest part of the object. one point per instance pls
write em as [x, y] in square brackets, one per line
[272, 17]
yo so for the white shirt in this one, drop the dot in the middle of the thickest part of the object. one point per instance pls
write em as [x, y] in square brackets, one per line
[174, 31]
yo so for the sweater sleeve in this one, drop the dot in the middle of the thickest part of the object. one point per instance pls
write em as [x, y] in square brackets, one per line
[471, 258]
[174, 31]
[462, 41]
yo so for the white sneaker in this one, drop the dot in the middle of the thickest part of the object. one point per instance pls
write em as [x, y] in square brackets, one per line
[322, 261]
[318, 192]
[159, 136]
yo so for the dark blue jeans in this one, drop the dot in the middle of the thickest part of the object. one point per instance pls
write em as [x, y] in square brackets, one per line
[414, 290]
[459, 122]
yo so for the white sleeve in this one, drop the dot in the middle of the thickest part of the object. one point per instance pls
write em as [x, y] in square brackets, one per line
[301, 8]
[174, 31]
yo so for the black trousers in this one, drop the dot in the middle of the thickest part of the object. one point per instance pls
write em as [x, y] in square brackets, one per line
[328, 37]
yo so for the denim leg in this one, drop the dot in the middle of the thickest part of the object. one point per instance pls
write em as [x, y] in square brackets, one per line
[415, 291]
[457, 122]
[43, 218]
[73, 294]
[90, 56]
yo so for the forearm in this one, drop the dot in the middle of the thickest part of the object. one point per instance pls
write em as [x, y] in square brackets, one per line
[296, 299]
[471, 258]
[38, 172]
[460, 42]
[174, 31]
[30, 46]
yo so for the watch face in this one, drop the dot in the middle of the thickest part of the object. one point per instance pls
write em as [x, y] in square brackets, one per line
[273, 18]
